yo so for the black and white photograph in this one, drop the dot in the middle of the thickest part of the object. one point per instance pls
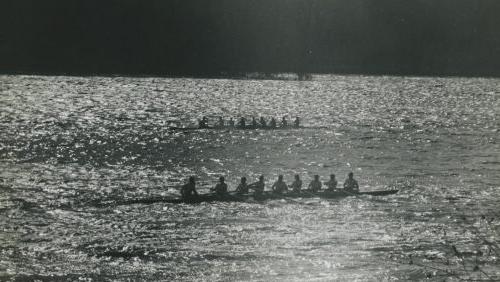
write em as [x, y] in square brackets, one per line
[249, 140]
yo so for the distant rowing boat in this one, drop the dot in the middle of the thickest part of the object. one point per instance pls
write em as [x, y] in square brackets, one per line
[245, 128]
[268, 195]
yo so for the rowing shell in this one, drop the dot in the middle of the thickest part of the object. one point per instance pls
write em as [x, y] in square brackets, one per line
[245, 128]
[233, 197]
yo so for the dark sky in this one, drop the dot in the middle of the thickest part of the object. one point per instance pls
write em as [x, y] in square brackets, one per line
[207, 37]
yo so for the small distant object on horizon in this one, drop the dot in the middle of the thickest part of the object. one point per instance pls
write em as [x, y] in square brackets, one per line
[279, 76]
[203, 123]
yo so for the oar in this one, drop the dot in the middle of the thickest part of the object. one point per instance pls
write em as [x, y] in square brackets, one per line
[280, 196]
[349, 193]
[166, 194]
[240, 197]
[308, 193]
[285, 197]
[342, 190]
[179, 186]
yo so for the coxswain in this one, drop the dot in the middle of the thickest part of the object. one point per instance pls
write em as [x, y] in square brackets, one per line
[263, 123]
[315, 185]
[297, 184]
[272, 123]
[221, 187]
[296, 123]
[258, 186]
[332, 183]
[242, 187]
[242, 123]
[284, 122]
[279, 186]
[351, 184]
[188, 190]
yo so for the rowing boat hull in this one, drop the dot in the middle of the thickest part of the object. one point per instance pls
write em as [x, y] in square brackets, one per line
[233, 197]
[245, 128]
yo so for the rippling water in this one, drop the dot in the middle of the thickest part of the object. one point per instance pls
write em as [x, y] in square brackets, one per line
[67, 143]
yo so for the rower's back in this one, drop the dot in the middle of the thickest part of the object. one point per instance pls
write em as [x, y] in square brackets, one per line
[272, 123]
[296, 123]
[242, 123]
[254, 123]
[258, 186]
[203, 123]
[242, 187]
[220, 123]
[188, 190]
[262, 122]
[332, 183]
[297, 184]
[284, 122]
[315, 185]
[351, 184]
[279, 186]
[221, 187]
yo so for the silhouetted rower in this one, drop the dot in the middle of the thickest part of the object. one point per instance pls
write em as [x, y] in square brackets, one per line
[242, 187]
[188, 190]
[220, 123]
[258, 186]
[221, 187]
[332, 183]
[231, 122]
[315, 185]
[254, 123]
[272, 123]
[351, 184]
[284, 122]
[279, 186]
[203, 123]
[296, 123]
[297, 184]
[262, 122]
[242, 123]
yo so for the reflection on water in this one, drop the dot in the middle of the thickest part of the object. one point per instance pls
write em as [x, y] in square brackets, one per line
[68, 142]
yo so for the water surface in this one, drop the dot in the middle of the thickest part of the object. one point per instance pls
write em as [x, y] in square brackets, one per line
[67, 143]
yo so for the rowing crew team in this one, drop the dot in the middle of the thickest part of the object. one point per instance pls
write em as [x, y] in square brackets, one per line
[350, 185]
[242, 123]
